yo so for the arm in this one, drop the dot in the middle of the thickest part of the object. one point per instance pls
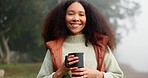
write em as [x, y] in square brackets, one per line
[46, 70]
[112, 67]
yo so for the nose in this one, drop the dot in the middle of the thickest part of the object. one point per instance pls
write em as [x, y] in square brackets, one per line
[76, 18]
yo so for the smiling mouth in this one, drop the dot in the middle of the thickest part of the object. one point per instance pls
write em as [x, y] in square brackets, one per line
[75, 25]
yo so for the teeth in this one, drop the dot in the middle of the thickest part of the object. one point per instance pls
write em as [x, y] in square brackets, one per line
[74, 24]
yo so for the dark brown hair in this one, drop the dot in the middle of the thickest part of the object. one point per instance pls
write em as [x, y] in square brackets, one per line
[54, 26]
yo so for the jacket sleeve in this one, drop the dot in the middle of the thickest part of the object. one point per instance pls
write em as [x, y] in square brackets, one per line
[112, 67]
[46, 70]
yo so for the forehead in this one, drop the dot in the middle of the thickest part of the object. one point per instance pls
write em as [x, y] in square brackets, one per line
[76, 6]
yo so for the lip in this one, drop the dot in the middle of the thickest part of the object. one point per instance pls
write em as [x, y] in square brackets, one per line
[75, 25]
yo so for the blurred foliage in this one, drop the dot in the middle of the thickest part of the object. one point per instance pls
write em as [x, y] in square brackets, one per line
[21, 70]
[117, 11]
[24, 18]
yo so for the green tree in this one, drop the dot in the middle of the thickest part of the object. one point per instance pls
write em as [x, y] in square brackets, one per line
[4, 28]
[20, 23]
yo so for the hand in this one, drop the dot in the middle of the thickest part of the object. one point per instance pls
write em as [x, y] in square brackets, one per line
[63, 69]
[86, 73]
[71, 59]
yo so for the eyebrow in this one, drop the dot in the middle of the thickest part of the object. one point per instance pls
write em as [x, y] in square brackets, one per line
[73, 11]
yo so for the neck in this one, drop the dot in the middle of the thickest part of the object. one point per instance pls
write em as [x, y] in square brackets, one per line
[75, 39]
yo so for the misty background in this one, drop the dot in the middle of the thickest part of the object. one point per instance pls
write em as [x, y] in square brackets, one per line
[22, 48]
[133, 49]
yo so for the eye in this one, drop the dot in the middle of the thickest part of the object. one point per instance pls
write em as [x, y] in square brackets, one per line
[70, 13]
[82, 14]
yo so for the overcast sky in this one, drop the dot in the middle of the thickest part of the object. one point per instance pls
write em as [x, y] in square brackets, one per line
[134, 47]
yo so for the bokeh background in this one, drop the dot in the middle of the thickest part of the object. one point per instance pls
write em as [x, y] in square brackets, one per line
[22, 48]
[132, 50]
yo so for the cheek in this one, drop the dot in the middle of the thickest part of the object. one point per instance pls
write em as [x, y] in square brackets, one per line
[67, 18]
[84, 21]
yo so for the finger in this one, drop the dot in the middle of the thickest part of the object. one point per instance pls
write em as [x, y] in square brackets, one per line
[72, 62]
[73, 68]
[78, 73]
[77, 77]
[80, 70]
[85, 73]
[85, 76]
[72, 58]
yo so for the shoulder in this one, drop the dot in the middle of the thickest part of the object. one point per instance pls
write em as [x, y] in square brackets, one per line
[109, 54]
[101, 39]
[54, 43]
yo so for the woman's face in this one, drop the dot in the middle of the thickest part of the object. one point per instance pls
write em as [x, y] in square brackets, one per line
[75, 18]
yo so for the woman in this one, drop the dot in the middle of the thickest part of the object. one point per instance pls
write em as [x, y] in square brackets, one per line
[76, 26]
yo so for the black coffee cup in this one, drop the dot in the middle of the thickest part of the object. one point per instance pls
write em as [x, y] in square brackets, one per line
[79, 64]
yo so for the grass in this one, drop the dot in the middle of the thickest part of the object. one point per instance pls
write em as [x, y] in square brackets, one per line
[21, 70]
